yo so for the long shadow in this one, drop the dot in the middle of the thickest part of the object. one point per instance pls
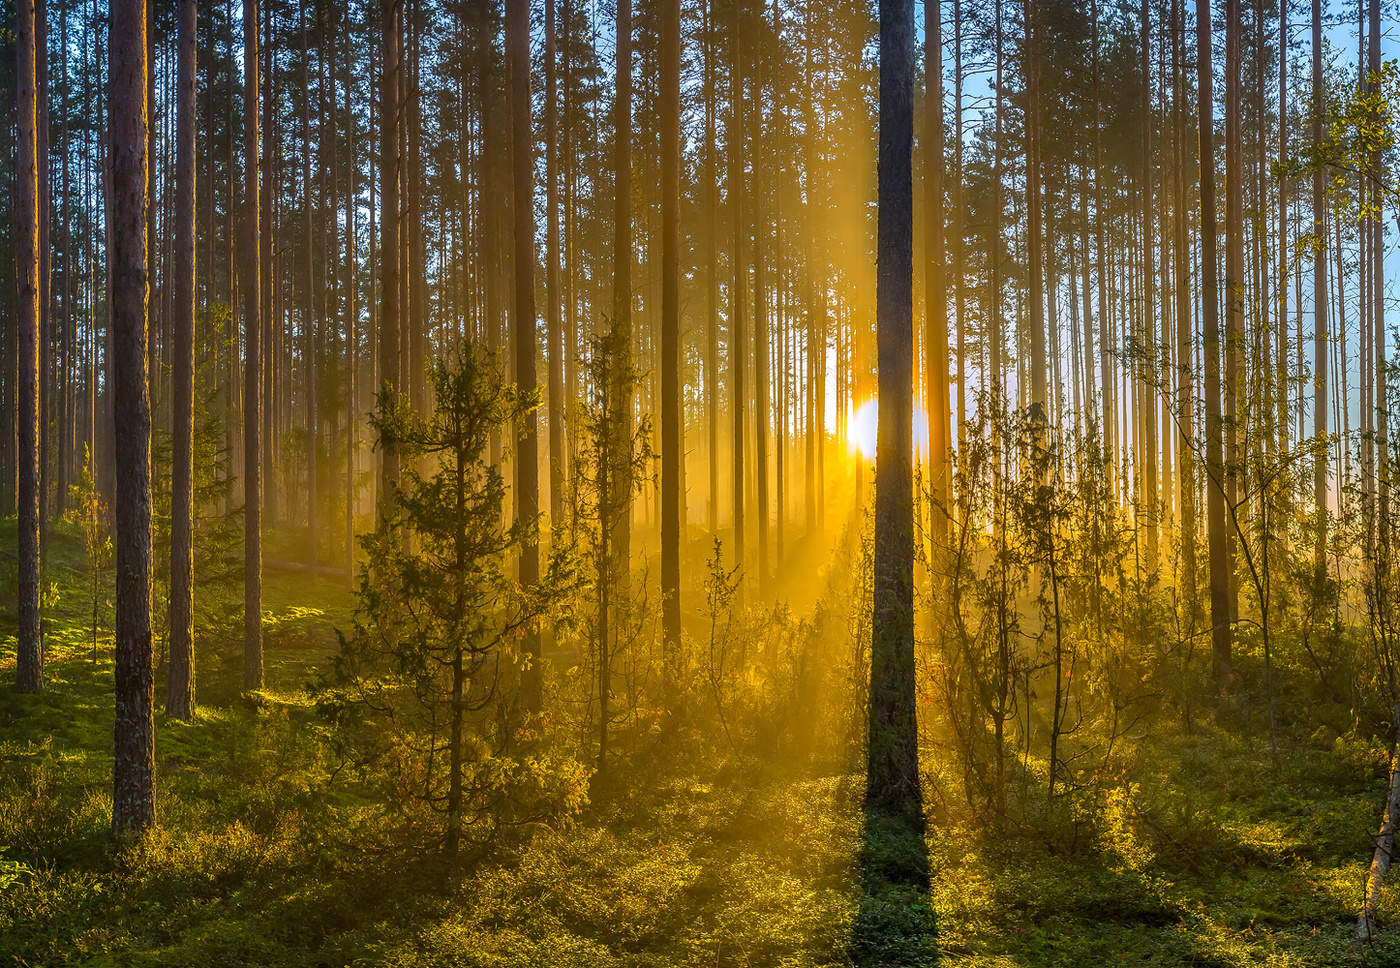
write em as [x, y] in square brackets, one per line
[895, 926]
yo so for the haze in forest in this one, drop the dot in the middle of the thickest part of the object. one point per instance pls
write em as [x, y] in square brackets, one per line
[680, 482]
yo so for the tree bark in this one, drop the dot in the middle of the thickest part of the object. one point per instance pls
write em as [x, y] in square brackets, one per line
[1218, 540]
[622, 292]
[1235, 402]
[29, 672]
[180, 686]
[527, 481]
[892, 778]
[252, 361]
[389, 385]
[1320, 344]
[737, 340]
[935, 286]
[133, 795]
[558, 458]
[671, 428]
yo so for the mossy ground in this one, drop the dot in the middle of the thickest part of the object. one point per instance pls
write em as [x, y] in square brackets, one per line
[1211, 856]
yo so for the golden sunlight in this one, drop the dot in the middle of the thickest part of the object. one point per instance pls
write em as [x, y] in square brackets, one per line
[862, 437]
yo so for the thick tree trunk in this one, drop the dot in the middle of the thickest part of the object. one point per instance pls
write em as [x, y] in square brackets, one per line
[892, 778]
[133, 795]
[29, 672]
[180, 692]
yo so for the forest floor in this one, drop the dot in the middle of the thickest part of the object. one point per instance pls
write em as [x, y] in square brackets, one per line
[1211, 856]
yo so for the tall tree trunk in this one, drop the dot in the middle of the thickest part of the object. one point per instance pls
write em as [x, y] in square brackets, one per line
[527, 480]
[1218, 540]
[133, 794]
[1035, 255]
[1181, 257]
[710, 180]
[557, 456]
[388, 329]
[738, 402]
[310, 317]
[993, 381]
[252, 361]
[1320, 344]
[1281, 329]
[1378, 326]
[671, 417]
[1148, 344]
[935, 286]
[1235, 404]
[29, 672]
[179, 698]
[41, 128]
[892, 778]
[622, 293]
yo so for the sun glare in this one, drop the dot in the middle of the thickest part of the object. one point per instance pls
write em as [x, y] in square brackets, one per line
[862, 433]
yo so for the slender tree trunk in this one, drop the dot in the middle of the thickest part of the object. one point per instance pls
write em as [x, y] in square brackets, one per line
[940, 434]
[622, 293]
[993, 381]
[1035, 255]
[1320, 344]
[738, 402]
[179, 699]
[310, 295]
[388, 328]
[1281, 330]
[1181, 256]
[1235, 402]
[557, 456]
[29, 672]
[133, 795]
[711, 183]
[1378, 327]
[672, 446]
[252, 361]
[1148, 348]
[1220, 610]
[527, 480]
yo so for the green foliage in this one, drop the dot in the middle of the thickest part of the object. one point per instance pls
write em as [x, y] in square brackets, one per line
[421, 696]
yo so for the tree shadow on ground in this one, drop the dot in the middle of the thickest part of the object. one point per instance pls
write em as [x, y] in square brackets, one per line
[894, 925]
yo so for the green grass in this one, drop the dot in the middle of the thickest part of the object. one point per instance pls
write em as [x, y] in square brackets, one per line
[264, 855]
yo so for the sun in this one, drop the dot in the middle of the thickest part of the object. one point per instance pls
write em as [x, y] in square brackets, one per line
[863, 428]
[862, 433]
